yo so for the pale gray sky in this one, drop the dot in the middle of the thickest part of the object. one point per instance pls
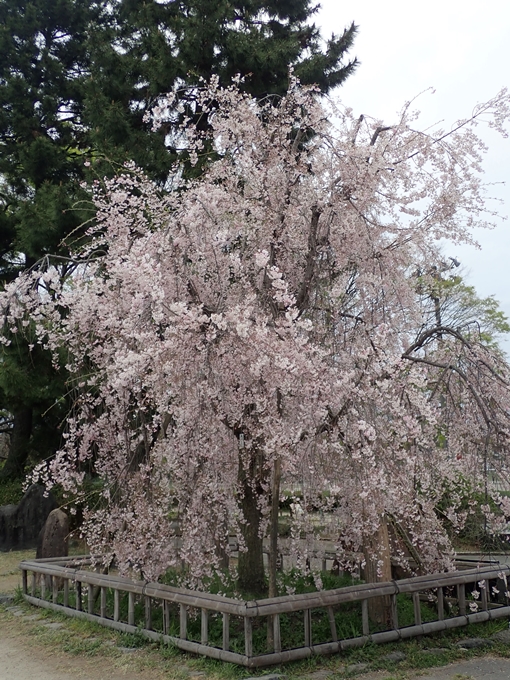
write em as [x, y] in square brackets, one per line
[460, 49]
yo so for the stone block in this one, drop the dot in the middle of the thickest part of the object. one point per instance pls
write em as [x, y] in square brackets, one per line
[21, 524]
[54, 536]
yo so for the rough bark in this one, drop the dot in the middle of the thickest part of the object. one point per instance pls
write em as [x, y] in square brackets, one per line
[14, 466]
[377, 570]
[251, 577]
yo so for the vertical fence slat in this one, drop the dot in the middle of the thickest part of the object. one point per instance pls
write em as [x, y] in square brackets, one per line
[308, 627]
[54, 588]
[116, 604]
[90, 599]
[394, 611]
[332, 624]
[276, 633]
[166, 617]
[131, 609]
[204, 627]
[461, 597]
[103, 602]
[66, 592]
[440, 604]
[148, 613]
[34, 580]
[25, 581]
[43, 586]
[183, 622]
[248, 636]
[417, 608]
[226, 632]
[364, 617]
[483, 595]
[78, 596]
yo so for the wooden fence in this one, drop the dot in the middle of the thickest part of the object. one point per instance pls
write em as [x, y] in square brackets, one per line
[165, 613]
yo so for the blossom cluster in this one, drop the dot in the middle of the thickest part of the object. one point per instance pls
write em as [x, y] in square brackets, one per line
[272, 310]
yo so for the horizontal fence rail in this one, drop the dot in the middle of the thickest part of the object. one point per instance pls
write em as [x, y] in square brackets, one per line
[237, 632]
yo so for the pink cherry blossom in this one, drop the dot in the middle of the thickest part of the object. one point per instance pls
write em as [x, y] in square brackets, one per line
[273, 315]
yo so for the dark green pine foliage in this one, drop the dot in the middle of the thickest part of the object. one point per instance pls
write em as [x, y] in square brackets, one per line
[76, 79]
[44, 61]
[191, 39]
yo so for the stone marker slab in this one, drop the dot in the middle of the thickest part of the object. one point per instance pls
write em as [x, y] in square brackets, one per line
[53, 540]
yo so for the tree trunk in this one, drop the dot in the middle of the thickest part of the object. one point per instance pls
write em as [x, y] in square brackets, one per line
[251, 577]
[377, 570]
[14, 466]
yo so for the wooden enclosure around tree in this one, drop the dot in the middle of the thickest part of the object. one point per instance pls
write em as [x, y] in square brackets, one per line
[184, 618]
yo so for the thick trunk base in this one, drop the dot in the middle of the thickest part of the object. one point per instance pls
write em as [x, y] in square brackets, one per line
[251, 576]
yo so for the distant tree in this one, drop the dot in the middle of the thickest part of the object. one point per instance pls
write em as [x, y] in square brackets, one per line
[448, 301]
[76, 80]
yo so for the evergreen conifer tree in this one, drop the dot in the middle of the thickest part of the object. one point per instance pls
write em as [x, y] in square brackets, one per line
[76, 78]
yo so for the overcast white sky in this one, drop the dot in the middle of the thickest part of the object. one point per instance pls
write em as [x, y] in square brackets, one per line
[460, 49]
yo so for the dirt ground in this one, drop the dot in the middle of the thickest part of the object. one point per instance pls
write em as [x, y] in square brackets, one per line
[22, 658]
[10, 575]
[25, 656]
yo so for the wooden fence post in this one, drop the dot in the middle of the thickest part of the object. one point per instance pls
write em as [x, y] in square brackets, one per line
[440, 604]
[308, 627]
[78, 596]
[204, 626]
[116, 605]
[226, 631]
[90, 599]
[332, 624]
[394, 611]
[103, 603]
[248, 636]
[364, 617]
[417, 608]
[461, 597]
[277, 638]
[148, 613]
[483, 595]
[131, 609]
[166, 617]
[183, 621]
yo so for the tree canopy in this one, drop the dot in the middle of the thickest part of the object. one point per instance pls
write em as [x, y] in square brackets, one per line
[270, 323]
